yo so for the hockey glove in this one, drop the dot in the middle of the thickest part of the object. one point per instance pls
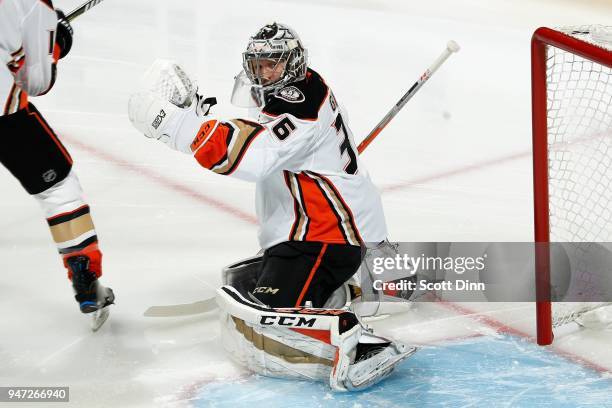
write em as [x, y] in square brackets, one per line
[64, 34]
[203, 105]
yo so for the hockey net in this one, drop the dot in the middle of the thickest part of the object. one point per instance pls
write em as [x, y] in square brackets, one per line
[572, 155]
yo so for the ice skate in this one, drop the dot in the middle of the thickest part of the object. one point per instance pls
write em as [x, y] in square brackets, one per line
[376, 363]
[92, 297]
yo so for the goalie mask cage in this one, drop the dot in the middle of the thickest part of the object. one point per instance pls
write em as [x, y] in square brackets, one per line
[572, 153]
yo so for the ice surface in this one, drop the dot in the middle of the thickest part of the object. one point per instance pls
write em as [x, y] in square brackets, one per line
[453, 166]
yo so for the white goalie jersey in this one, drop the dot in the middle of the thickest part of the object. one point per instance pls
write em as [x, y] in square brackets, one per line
[310, 182]
[27, 46]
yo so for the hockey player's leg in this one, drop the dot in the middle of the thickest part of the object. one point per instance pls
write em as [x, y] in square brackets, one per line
[91, 296]
[72, 228]
[292, 271]
[318, 344]
[32, 152]
[36, 157]
[244, 274]
[299, 273]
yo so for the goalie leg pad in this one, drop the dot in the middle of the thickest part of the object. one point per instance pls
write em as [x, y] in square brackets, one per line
[315, 344]
[285, 343]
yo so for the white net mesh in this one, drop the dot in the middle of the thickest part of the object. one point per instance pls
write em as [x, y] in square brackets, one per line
[580, 165]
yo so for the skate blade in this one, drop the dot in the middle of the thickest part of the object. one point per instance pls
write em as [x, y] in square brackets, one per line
[99, 317]
[384, 370]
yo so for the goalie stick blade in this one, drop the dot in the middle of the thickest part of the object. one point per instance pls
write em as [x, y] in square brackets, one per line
[375, 318]
[186, 309]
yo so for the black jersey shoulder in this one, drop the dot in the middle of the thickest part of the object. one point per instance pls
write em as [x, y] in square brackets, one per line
[302, 99]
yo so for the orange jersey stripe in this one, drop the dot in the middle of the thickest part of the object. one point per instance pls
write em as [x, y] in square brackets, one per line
[323, 225]
[351, 228]
[314, 269]
[23, 100]
[56, 52]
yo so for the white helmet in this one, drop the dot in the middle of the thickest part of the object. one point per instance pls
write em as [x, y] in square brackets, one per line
[279, 44]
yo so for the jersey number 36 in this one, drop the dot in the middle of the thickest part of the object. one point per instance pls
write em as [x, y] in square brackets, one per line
[346, 146]
[285, 127]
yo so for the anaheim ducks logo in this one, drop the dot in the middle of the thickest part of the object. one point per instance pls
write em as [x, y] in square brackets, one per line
[291, 94]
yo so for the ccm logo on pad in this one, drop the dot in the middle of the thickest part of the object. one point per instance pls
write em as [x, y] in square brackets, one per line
[293, 321]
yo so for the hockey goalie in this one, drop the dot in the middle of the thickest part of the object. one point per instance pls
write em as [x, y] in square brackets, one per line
[316, 206]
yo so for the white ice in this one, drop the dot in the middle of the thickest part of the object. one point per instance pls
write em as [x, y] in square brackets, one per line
[459, 155]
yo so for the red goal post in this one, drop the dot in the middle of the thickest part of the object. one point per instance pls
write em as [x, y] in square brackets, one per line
[578, 45]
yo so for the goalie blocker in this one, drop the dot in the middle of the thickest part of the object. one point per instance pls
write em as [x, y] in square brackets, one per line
[305, 343]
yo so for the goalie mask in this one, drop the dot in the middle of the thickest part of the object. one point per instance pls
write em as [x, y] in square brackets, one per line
[274, 58]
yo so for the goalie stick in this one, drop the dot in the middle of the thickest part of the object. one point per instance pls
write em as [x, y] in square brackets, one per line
[208, 305]
[451, 47]
[82, 9]
[186, 309]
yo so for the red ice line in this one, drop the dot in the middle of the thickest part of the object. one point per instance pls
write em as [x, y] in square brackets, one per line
[503, 328]
[454, 172]
[228, 209]
[166, 182]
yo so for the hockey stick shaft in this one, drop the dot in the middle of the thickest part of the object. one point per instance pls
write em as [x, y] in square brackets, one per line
[82, 9]
[451, 48]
